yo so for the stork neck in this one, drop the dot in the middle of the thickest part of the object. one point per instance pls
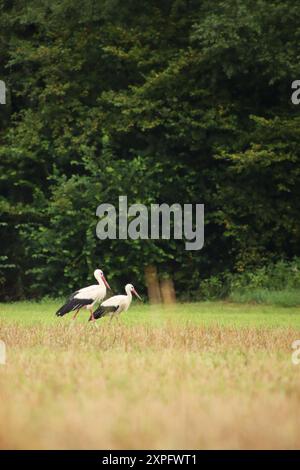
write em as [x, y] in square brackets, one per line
[129, 295]
[101, 283]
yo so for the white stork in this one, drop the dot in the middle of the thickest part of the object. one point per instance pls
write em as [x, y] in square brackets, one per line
[86, 297]
[116, 304]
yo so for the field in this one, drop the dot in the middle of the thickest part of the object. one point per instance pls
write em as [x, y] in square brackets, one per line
[204, 375]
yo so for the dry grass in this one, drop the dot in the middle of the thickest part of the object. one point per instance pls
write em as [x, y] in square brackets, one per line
[174, 385]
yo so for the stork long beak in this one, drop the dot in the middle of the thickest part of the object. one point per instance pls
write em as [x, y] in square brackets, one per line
[135, 293]
[105, 282]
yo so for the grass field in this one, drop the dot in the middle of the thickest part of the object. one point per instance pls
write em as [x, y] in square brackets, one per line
[204, 375]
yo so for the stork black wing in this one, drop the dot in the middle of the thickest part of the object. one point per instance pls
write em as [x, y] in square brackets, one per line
[102, 311]
[73, 304]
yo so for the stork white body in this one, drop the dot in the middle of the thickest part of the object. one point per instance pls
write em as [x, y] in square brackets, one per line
[116, 304]
[86, 297]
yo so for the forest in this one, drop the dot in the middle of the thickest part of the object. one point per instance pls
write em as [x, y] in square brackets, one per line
[164, 101]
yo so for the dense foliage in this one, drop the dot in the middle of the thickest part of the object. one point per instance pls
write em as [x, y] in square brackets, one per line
[161, 100]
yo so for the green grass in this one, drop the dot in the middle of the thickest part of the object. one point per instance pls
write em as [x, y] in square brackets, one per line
[202, 313]
[283, 298]
[205, 375]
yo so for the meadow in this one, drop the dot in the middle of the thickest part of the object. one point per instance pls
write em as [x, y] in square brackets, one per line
[201, 375]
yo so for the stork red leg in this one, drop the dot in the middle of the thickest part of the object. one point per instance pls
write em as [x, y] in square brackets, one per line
[75, 314]
[92, 314]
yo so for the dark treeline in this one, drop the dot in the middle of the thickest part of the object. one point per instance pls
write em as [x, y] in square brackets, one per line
[183, 101]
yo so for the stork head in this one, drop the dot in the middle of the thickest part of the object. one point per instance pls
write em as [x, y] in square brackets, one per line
[130, 288]
[99, 275]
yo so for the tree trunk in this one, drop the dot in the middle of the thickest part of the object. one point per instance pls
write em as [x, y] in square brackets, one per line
[168, 291]
[152, 284]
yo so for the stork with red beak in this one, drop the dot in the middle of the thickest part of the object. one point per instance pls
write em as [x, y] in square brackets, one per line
[116, 304]
[86, 297]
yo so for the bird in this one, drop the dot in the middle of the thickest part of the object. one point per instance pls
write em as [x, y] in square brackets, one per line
[86, 297]
[116, 304]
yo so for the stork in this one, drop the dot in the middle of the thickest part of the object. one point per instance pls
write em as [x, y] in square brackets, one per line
[86, 297]
[116, 304]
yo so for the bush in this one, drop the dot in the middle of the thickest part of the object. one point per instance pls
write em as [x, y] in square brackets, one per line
[277, 283]
[215, 287]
